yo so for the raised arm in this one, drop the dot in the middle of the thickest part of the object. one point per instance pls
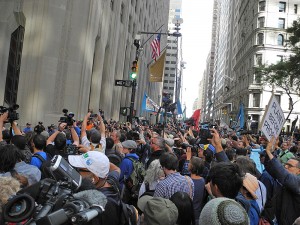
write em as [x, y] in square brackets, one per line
[84, 124]
[60, 128]
[3, 118]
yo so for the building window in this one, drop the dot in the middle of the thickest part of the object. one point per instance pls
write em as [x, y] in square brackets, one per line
[166, 75]
[295, 8]
[13, 66]
[256, 99]
[258, 59]
[280, 40]
[122, 13]
[166, 81]
[282, 6]
[279, 58]
[281, 23]
[172, 75]
[112, 5]
[261, 21]
[262, 6]
[260, 38]
[171, 81]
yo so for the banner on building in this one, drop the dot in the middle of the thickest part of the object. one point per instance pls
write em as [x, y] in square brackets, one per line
[149, 105]
[156, 70]
[273, 119]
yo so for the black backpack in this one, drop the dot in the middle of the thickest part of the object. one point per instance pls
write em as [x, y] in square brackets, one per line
[45, 167]
[128, 213]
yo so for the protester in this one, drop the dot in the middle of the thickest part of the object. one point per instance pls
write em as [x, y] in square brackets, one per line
[95, 166]
[158, 211]
[185, 208]
[173, 182]
[288, 199]
[154, 175]
[223, 211]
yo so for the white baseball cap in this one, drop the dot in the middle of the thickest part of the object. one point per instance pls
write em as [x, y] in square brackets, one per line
[94, 161]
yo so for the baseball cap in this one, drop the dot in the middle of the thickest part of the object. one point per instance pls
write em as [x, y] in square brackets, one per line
[129, 144]
[94, 161]
[28, 123]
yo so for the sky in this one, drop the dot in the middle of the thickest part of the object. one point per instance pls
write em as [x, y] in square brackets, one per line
[196, 41]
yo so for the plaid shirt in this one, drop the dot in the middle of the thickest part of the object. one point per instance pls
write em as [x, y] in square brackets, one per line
[174, 183]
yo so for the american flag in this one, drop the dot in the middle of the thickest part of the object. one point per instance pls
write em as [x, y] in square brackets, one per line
[155, 46]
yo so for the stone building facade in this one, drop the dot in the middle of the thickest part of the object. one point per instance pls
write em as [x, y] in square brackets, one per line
[68, 53]
[255, 35]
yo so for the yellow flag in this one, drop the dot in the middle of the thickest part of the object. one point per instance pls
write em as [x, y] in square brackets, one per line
[156, 70]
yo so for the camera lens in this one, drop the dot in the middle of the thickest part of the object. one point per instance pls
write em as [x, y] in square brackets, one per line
[19, 208]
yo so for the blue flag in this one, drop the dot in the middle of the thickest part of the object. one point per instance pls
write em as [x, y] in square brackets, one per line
[179, 109]
[241, 115]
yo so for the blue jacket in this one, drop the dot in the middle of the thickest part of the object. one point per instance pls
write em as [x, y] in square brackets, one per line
[126, 167]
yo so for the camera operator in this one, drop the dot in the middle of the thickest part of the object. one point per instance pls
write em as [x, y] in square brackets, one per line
[58, 138]
[104, 175]
[97, 139]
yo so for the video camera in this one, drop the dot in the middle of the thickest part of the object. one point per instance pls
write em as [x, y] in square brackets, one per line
[67, 118]
[12, 112]
[55, 198]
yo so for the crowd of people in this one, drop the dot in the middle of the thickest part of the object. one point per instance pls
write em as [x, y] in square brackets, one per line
[173, 174]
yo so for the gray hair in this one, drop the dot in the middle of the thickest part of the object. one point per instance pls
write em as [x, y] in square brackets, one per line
[154, 172]
[160, 142]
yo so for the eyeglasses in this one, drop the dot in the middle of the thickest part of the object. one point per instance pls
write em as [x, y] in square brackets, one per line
[288, 165]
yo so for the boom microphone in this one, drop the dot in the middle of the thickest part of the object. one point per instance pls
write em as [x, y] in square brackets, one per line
[97, 202]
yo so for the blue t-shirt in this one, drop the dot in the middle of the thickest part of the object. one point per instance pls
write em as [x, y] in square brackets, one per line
[35, 161]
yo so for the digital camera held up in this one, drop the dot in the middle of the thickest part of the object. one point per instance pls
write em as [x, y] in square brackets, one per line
[67, 118]
[12, 112]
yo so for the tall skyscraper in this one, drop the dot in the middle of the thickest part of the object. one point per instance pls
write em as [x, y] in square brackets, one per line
[173, 52]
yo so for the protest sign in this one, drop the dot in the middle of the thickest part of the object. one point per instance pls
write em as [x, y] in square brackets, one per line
[273, 119]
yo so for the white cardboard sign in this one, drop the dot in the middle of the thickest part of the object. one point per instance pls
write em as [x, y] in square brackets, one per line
[273, 119]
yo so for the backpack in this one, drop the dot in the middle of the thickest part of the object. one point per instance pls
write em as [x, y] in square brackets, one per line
[128, 213]
[134, 182]
[147, 190]
[45, 167]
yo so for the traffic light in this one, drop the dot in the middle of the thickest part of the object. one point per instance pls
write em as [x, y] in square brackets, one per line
[123, 111]
[134, 70]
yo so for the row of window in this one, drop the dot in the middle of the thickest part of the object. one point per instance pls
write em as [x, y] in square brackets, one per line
[260, 39]
[168, 68]
[281, 22]
[174, 55]
[169, 88]
[169, 75]
[169, 81]
[281, 7]
[259, 57]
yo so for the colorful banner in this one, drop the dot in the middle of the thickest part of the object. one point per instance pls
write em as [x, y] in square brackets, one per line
[156, 70]
[149, 105]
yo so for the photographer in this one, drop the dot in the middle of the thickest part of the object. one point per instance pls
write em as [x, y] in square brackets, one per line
[58, 138]
[97, 139]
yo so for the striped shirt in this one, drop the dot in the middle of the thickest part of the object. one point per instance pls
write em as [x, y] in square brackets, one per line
[174, 183]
